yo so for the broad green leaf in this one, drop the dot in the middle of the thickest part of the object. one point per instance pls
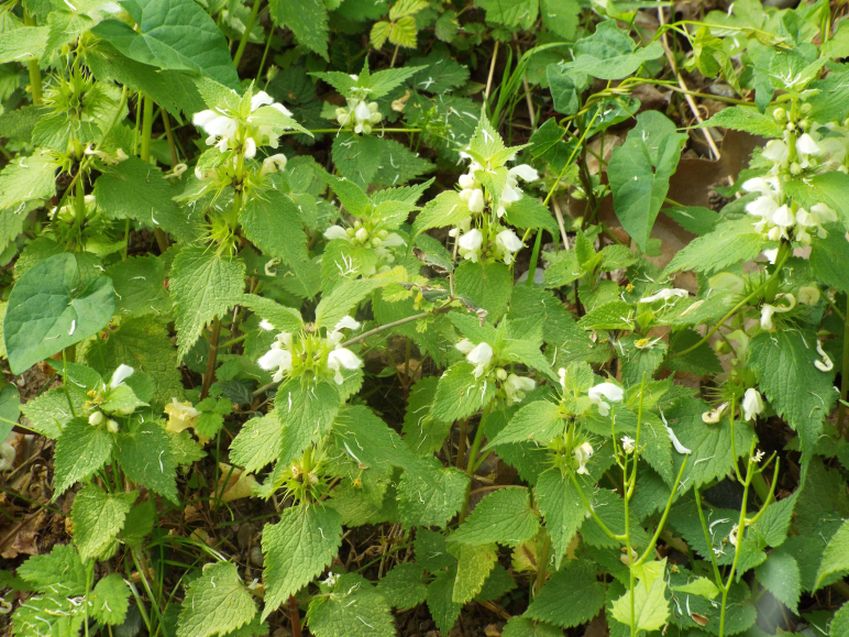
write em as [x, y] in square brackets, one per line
[216, 603]
[26, 179]
[204, 286]
[144, 452]
[485, 285]
[504, 516]
[529, 212]
[307, 19]
[80, 451]
[98, 517]
[52, 306]
[650, 607]
[10, 408]
[443, 609]
[403, 587]
[840, 622]
[701, 586]
[62, 564]
[747, 119]
[139, 284]
[110, 600]
[610, 53]
[575, 582]
[352, 608]
[459, 394]
[835, 558]
[285, 319]
[49, 412]
[446, 209]
[342, 300]
[560, 16]
[639, 172]
[562, 509]
[175, 35]
[258, 443]
[730, 243]
[827, 255]
[297, 549]
[516, 13]
[271, 223]
[135, 189]
[23, 43]
[431, 496]
[539, 421]
[520, 626]
[306, 411]
[801, 394]
[780, 576]
[474, 564]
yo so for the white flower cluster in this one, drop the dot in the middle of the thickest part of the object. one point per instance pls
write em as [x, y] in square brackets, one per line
[281, 361]
[97, 418]
[226, 131]
[603, 394]
[515, 387]
[380, 240]
[359, 115]
[471, 189]
[470, 244]
[777, 219]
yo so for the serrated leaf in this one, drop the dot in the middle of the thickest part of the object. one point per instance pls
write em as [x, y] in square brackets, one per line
[474, 563]
[577, 583]
[403, 587]
[801, 394]
[80, 451]
[27, 179]
[52, 306]
[827, 255]
[297, 549]
[204, 286]
[519, 626]
[306, 411]
[160, 39]
[216, 603]
[840, 622]
[379, 33]
[271, 223]
[307, 19]
[459, 394]
[780, 576]
[139, 284]
[431, 496]
[516, 13]
[49, 412]
[486, 285]
[23, 43]
[539, 421]
[701, 586]
[747, 119]
[504, 516]
[110, 600]
[639, 172]
[610, 54]
[731, 242]
[443, 609]
[62, 564]
[650, 607]
[258, 443]
[352, 608]
[446, 209]
[562, 509]
[144, 452]
[835, 558]
[615, 315]
[529, 212]
[98, 517]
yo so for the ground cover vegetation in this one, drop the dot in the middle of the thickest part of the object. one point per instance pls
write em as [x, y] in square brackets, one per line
[424, 317]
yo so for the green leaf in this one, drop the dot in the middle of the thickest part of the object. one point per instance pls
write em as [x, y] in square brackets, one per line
[562, 509]
[307, 19]
[52, 306]
[520, 626]
[62, 564]
[516, 13]
[48, 413]
[560, 17]
[176, 35]
[216, 603]
[610, 54]
[485, 285]
[529, 212]
[297, 549]
[800, 393]
[10, 408]
[539, 421]
[27, 179]
[403, 587]
[431, 496]
[639, 172]
[504, 516]
[110, 600]
[446, 209]
[271, 223]
[204, 286]
[258, 442]
[352, 608]
[343, 300]
[443, 609]
[577, 583]
[730, 243]
[835, 558]
[827, 255]
[139, 284]
[144, 453]
[80, 451]
[840, 622]
[650, 608]
[306, 410]
[23, 43]
[474, 564]
[98, 517]
[459, 394]
[136, 189]
[780, 576]
[701, 586]
[747, 119]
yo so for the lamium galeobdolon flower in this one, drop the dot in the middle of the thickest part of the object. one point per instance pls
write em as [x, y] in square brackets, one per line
[324, 356]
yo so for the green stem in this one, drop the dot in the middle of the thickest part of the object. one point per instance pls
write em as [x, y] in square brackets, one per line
[844, 371]
[33, 70]
[618, 537]
[249, 26]
[662, 523]
[717, 577]
[471, 458]
[147, 127]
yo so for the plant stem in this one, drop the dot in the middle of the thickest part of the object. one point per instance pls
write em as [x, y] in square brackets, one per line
[294, 617]
[471, 459]
[147, 127]
[589, 507]
[392, 324]
[33, 70]
[243, 41]
[844, 372]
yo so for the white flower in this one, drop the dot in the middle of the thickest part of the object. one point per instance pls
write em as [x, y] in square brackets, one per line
[345, 323]
[583, 453]
[732, 535]
[767, 311]
[507, 244]
[473, 198]
[603, 394]
[121, 373]
[264, 99]
[823, 363]
[279, 358]
[759, 455]
[469, 245]
[342, 357]
[775, 150]
[788, 302]
[665, 295]
[806, 145]
[96, 418]
[673, 438]
[713, 416]
[220, 128]
[511, 192]
[112, 426]
[265, 325]
[273, 164]
[336, 232]
[223, 130]
[517, 386]
[479, 355]
[771, 255]
[628, 444]
[561, 374]
[753, 404]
